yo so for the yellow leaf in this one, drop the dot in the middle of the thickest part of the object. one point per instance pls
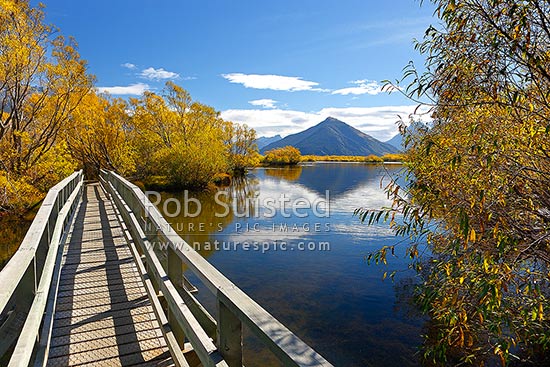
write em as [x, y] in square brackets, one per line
[451, 6]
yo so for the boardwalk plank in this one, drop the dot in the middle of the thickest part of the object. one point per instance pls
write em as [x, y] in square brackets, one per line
[103, 315]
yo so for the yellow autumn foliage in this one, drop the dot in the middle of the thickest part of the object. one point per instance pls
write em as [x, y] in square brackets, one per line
[57, 122]
[42, 81]
[288, 155]
[478, 179]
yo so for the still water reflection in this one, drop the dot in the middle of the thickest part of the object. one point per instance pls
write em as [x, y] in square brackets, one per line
[12, 232]
[329, 296]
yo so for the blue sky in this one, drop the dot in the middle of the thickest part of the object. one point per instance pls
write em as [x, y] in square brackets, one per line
[279, 66]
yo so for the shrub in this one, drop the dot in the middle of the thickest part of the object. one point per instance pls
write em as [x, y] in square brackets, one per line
[283, 156]
[393, 157]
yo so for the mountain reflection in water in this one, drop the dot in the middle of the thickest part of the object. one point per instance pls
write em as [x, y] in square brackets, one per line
[330, 298]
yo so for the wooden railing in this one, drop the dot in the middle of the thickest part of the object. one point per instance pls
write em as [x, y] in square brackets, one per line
[216, 341]
[26, 279]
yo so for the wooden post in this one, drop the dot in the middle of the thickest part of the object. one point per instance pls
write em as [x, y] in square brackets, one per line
[175, 274]
[230, 336]
[234, 307]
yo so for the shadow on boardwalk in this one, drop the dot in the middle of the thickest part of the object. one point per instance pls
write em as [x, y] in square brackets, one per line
[102, 314]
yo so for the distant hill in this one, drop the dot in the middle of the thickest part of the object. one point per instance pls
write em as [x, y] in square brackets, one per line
[412, 129]
[333, 137]
[396, 141]
[263, 141]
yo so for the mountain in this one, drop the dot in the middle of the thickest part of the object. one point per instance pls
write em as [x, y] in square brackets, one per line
[263, 141]
[396, 141]
[412, 129]
[333, 137]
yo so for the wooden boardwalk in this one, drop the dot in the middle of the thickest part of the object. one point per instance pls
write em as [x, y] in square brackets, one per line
[103, 315]
[86, 288]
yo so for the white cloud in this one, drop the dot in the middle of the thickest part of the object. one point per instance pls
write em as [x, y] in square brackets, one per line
[380, 122]
[274, 82]
[128, 65]
[158, 74]
[361, 87]
[133, 89]
[265, 103]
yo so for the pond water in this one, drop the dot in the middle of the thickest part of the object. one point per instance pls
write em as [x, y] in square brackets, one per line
[307, 267]
[12, 232]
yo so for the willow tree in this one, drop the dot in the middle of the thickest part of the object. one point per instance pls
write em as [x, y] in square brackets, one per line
[478, 188]
[98, 136]
[241, 147]
[42, 80]
[177, 138]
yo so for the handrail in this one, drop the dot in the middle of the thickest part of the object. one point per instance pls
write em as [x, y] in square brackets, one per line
[235, 307]
[25, 278]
